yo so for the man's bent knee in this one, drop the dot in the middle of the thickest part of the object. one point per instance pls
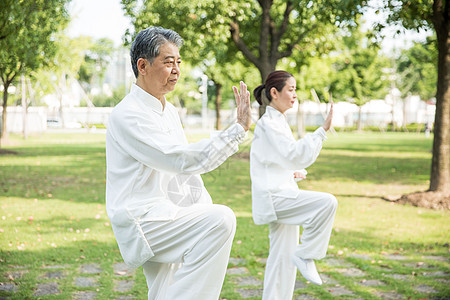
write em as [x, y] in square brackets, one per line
[222, 218]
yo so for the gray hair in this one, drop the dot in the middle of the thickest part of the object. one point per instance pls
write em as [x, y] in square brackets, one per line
[147, 43]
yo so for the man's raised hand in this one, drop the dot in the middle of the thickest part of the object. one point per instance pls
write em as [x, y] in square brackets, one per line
[244, 113]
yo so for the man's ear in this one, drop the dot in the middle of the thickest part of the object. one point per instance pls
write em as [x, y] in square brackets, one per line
[141, 66]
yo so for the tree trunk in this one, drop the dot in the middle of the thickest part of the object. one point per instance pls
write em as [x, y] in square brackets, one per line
[440, 166]
[4, 132]
[300, 121]
[24, 108]
[264, 70]
[358, 126]
[218, 105]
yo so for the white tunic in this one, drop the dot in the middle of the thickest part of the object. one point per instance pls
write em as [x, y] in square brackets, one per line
[274, 156]
[148, 161]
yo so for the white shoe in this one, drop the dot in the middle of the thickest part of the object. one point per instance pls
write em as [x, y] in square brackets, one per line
[308, 269]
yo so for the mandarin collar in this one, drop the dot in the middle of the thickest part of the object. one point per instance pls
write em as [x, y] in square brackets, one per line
[147, 99]
[275, 113]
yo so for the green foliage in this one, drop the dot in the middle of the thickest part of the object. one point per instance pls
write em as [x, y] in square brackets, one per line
[417, 69]
[358, 74]
[96, 59]
[300, 26]
[409, 14]
[103, 100]
[63, 65]
[27, 38]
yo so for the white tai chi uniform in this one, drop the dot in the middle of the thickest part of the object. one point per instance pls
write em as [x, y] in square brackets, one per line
[276, 200]
[161, 214]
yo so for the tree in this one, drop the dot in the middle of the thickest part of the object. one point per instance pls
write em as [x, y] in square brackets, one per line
[264, 31]
[27, 40]
[64, 66]
[417, 69]
[358, 71]
[96, 59]
[432, 14]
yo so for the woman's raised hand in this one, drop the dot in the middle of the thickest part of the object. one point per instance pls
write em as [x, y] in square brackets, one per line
[327, 124]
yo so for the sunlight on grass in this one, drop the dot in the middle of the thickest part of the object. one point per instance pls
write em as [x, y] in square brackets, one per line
[52, 206]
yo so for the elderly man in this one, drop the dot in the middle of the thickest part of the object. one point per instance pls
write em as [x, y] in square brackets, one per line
[161, 214]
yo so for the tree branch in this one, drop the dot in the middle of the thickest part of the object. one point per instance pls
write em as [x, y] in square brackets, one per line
[276, 34]
[235, 34]
[291, 46]
[266, 21]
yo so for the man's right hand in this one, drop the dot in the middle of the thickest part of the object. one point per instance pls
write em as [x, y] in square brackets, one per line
[244, 112]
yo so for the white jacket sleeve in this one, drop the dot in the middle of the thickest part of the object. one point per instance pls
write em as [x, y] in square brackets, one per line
[153, 147]
[294, 154]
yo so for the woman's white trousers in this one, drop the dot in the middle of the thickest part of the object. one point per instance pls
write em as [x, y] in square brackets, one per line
[314, 211]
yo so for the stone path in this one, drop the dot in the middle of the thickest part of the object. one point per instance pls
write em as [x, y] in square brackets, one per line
[352, 277]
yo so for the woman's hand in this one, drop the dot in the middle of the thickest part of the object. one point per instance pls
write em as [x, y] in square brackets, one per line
[299, 175]
[327, 124]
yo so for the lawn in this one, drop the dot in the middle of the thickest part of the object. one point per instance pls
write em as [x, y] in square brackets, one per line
[52, 213]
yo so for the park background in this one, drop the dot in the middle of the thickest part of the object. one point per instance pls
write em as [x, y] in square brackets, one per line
[63, 70]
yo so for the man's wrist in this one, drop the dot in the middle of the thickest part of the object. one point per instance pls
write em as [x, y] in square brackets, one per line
[243, 126]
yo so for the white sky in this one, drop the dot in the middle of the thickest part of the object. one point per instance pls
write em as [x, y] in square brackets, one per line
[99, 19]
[105, 18]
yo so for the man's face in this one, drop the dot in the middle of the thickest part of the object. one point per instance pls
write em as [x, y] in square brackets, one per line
[164, 72]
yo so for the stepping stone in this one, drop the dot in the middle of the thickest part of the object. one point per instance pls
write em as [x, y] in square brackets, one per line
[249, 293]
[248, 280]
[371, 282]
[396, 257]
[419, 265]
[334, 262]
[327, 279]
[435, 274]
[389, 295]
[8, 287]
[361, 256]
[90, 269]
[123, 285]
[339, 291]
[423, 288]
[85, 281]
[443, 281]
[351, 272]
[122, 269]
[45, 289]
[400, 277]
[15, 274]
[300, 285]
[437, 258]
[234, 261]
[55, 267]
[262, 261]
[237, 271]
[306, 297]
[84, 295]
[53, 275]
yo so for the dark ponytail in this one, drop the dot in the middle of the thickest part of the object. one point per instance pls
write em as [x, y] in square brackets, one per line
[276, 79]
[257, 93]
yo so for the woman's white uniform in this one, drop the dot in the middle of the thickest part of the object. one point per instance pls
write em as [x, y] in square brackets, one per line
[276, 200]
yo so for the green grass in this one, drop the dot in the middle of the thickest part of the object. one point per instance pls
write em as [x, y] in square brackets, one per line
[59, 181]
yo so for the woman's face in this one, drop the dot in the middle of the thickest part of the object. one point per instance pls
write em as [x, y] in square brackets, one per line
[286, 98]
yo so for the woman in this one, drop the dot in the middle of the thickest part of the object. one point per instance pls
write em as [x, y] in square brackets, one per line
[277, 161]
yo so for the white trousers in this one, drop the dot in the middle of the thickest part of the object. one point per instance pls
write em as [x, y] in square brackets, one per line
[191, 253]
[314, 211]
